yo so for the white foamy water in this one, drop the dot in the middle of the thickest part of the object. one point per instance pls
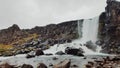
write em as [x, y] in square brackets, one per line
[89, 32]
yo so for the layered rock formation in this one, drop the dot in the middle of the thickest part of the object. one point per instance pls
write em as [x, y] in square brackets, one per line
[38, 37]
[110, 27]
[66, 30]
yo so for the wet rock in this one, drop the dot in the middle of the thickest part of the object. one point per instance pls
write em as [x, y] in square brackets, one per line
[41, 65]
[55, 58]
[69, 41]
[50, 64]
[74, 51]
[60, 53]
[26, 66]
[74, 66]
[91, 63]
[63, 64]
[30, 56]
[80, 54]
[39, 52]
[91, 46]
[49, 54]
[88, 66]
[99, 42]
[6, 65]
[116, 59]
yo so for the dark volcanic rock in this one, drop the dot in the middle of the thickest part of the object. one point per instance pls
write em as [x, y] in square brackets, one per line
[74, 51]
[39, 52]
[99, 42]
[49, 54]
[60, 53]
[109, 28]
[30, 56]
[41, 65]
[91, 46]
[26, 66]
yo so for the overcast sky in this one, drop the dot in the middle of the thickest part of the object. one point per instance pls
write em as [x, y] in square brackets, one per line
[30, 13]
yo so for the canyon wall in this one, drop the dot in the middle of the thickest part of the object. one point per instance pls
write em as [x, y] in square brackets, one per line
[109, 29]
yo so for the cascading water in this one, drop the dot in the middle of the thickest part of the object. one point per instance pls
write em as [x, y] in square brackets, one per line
[89, 33]
[87, 30]
[90, 30]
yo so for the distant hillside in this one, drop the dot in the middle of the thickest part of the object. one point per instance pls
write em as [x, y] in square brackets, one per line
[16, 36]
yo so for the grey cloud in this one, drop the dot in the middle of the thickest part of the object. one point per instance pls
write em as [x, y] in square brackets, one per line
[30, 13]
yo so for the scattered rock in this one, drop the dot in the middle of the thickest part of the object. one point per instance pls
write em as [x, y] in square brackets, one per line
[6, 65]
[69, 41]
[26, 66]
[88, 66]
[30, 56]
[74, 66]
[49, 54]
[50, 64]
[60, 53]
[41, 65]
[39, 52]
[91, 46]
[99, 42]
[74, 51]
[63, 64]
[55, 58]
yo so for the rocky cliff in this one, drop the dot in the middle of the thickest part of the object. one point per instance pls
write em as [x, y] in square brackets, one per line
[109, 29]
[66, 30]
[26, 40]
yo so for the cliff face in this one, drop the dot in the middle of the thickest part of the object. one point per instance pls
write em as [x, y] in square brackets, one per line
[14, 35]
[110, 27]
[9, 35]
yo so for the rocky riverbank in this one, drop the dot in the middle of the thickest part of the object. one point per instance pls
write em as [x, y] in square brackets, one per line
[22, 41]
[64, 61]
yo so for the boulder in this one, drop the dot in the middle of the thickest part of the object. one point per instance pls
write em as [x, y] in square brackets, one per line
[30, 56]
[43, 46]
[99, 42]
[63, 64]
[88, 66]
[26, 66]
[55, 58]
[69, 41]
[60, 53]
[41, 65]
[48, 54]
[39, 52]
[6, 65]
[74, 51]
[91, 45]
[80, 54]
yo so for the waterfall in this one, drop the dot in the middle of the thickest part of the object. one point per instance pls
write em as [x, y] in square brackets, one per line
[80, 22]
[89, 33]
[89, 30]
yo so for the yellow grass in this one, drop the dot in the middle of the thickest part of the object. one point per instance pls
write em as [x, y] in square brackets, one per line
[23, 40]
[5, 47]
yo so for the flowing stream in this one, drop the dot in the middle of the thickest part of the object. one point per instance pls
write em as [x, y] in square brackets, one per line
[88, 31]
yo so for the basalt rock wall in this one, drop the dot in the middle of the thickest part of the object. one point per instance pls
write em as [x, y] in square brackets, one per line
[109, 29]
